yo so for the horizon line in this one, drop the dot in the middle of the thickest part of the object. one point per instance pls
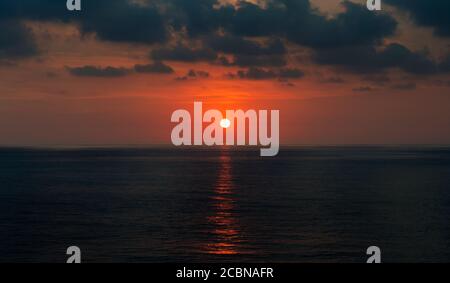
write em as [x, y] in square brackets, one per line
[149, 146]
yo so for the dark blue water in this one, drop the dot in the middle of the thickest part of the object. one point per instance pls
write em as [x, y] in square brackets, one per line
[166, 205]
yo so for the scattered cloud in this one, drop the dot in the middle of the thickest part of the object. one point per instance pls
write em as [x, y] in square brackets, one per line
[430, 13]
[258, 37]
[405, 86]
[259, 61]
[198, 74]
[183, 54]
[364, 89]
[93, 71]
[257, 74]
[444, 66]
[16, 40]
[110, 20]
[291, 73]
[377, 78]
[157, 68]
[367, 59]
[333, 80]
[237, 45]
[182, 79]
[254, 73]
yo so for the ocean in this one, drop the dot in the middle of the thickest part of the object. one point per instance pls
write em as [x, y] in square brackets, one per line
[308, 204]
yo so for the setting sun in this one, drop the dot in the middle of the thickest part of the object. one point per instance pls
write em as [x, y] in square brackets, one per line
[225, 123]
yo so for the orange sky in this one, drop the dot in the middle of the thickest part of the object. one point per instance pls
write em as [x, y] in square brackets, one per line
[42, 104]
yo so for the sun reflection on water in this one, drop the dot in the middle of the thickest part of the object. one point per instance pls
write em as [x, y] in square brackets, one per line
[226, 231]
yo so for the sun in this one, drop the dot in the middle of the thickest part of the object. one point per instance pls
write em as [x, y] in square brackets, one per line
[225, 123]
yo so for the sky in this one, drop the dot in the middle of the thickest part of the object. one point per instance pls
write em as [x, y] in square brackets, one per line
[113, 73]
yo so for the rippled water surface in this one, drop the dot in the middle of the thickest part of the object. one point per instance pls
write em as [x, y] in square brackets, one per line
[163, 205]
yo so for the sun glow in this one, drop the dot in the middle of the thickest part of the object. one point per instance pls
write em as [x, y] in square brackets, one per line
[225, 123]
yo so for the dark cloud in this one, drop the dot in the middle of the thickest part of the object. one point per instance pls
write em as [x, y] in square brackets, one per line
[231, 76]
[184, 54]
[444, 66]
[248, 53]
[259, 61]
[127, 21]
[364, 89]
[16, 40]
[367, 59]
[123, 21]
[157, 67]
[193, 75]
[198, 74]
[296, 21]
[245, 35]
[332, 80]
[182, 79]
[291, 73]
[253, 61]
[252, 20]
[289, 84]
[197, 17]
[34, 10]
[431, 13]
[112, 20]
[224, 61]
[93, 71]
[115, 72]
[377, 78]
[255, 73]
[300, 23]
[356, 25]
[238, 45]
[405, 86]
